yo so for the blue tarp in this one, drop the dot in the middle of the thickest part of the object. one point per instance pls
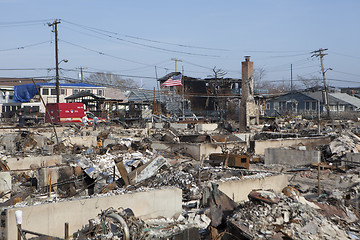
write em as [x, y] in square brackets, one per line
[24, 93]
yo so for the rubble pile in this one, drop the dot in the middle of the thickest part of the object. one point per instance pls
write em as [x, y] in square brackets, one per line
[123, 224]
[113, 224]
[289, 218]
[346, 142]
[89, 166]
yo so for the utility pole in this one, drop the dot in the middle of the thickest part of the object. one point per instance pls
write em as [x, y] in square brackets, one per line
[81, 73]
[176, 61]
[57, 86]
[319, 53]
[291, 79]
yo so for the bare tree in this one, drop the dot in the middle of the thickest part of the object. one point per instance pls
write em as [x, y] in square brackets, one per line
[259, 74]
[218, 73]
[111, 80]
[311, 82]
[278, 87]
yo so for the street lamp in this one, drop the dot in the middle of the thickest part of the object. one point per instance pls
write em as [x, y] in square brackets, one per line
[57, 85]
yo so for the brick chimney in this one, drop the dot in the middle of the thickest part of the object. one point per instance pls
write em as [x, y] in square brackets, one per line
[247, 80]
[249, 111]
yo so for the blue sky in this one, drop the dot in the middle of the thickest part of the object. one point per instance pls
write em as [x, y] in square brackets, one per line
[215, 33]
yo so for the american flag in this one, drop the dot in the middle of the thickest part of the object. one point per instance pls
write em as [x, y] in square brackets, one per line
[173, 81]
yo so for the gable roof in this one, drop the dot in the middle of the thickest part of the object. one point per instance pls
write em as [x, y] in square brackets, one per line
[115, 94]
[347, 98]
[84, 94]
[142, 95]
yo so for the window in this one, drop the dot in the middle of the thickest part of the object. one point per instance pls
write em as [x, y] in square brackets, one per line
[267, 106]
[45, 91]
[89, 91]
[62, 91]
[313, 106]
[100, 92]
[76, 91]
[333, 108]
[307, 105]
[341, 108]
[282, 105]
[53, 91]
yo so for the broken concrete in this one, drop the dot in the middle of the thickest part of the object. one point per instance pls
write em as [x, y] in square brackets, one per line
[50, 218]
[25, 163]
[5, 182]
[261, 145]
[291, 157]
[238, 190]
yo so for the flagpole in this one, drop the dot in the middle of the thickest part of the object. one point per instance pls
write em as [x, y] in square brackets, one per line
[183, 87]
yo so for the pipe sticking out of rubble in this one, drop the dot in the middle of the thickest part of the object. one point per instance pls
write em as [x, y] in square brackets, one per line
[47, 111]
[118, 218]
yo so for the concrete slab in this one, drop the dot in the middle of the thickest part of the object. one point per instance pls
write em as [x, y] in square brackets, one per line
[5, 182]
[205, 127]
[179, 125]
[50, 218]
[352, 158]
[47, 176]
[196, 150]
[238, 190]
[261, 145]
[106, 142]
[291, 157]
[87, 141]
[41, 161]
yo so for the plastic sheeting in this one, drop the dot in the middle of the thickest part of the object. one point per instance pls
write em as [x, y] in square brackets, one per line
[24, 93]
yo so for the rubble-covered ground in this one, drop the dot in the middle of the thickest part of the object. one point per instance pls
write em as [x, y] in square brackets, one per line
[124, 162]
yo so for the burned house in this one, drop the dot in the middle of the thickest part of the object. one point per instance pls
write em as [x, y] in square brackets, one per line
[207, 98]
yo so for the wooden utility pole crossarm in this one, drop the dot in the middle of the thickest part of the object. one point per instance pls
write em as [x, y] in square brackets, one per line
[319, 53]
[176, 61]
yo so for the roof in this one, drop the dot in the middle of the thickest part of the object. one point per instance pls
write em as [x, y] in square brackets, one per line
[81, 85]
[19, 81]
[115, 94]
[142, 95]
[347, 98]
[334, 98]
[84, 94]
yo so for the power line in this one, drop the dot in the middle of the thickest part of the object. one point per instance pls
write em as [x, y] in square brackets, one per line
[146, 45]
[25, 46]
[105, 54]
[25, 69]
[262, 51]
[24, 22]
[345, 55]
[295, 55]
[353, 74]
[145, 39]
[114, 74]
[285, 70]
